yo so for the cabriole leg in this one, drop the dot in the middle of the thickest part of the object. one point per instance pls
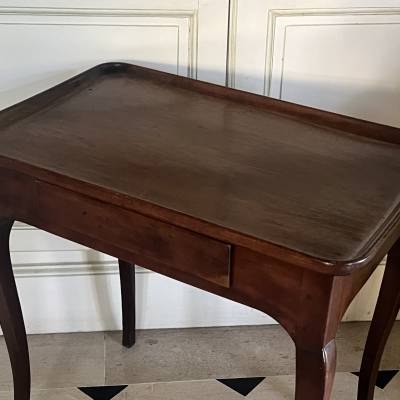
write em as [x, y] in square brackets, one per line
[315, 372]
[321, 307]
[11, 318]
[386, 310]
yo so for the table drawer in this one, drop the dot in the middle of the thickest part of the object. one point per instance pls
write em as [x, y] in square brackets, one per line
[143, 237]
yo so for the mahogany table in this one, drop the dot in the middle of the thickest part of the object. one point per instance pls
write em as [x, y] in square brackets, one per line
[283, 208]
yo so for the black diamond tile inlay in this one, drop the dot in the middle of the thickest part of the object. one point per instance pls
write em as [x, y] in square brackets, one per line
[102, 392]
[242, 385]
[384, 377]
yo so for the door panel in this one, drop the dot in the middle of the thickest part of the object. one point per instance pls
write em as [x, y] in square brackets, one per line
[44, 42]
[335, 55]
[341, 56]
[43, 45]
[158, 42]
[327, 62]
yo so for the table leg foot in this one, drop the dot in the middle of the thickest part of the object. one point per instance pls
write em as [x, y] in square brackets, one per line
[127, 277]
[315, 372]
[11, 319]
[386, 310]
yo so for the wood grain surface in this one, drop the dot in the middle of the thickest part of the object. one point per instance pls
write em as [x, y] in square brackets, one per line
[280, 207]
[265, 169]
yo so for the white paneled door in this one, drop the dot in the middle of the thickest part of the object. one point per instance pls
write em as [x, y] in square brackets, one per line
[64, 286]
[338, 55]
[342, 56]
[45, 42]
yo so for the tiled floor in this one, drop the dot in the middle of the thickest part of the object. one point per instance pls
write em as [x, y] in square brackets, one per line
[186, 363]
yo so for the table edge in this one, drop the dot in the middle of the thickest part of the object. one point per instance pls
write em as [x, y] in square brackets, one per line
[386, 233]
[372, 253]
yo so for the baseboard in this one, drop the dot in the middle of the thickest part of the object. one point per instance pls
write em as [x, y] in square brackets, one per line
[79, 302]
[83, 298]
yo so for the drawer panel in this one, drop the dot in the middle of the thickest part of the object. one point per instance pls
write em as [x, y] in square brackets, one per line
[134, 233]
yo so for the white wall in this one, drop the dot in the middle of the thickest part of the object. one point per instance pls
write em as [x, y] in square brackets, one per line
[64, 286]
[338, 55]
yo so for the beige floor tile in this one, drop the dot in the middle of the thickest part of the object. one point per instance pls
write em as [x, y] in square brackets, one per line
[351, 341]
[193, 390]
[271, 388]
[59, 394]
[136, 392]
[190, 354]
[392, 390]
[60, 360]
[345, 388]
[69, 360]
[282, 388]
[51, 394]
[274, 388]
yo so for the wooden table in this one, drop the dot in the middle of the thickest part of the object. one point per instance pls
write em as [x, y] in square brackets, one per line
[283, 208]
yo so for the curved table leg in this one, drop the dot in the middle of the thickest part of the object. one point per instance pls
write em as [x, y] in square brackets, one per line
[11, 319]
[386, 310]
[315, 372]
[321, 306]
[127, 277]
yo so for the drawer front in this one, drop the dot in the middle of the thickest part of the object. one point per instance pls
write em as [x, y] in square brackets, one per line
[76, 216]
[12, 185]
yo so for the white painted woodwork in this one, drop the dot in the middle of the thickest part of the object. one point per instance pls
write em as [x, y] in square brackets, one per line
[337, 55]
[341, 56]
[63, 286]
[42, 45]
[90, 302]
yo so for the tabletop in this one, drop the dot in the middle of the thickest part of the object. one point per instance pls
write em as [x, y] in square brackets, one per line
[317, 183]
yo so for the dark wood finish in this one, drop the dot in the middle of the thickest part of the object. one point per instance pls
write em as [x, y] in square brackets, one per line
[11, 318]
[127, 278]
[315, 371]
[200, 156]
[280, 207]
[385, 314]
[156, 240]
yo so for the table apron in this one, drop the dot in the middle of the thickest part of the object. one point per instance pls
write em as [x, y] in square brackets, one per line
[146, 238]
[289, 293]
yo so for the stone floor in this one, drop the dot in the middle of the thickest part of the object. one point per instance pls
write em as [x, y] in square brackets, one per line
[255, 362]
